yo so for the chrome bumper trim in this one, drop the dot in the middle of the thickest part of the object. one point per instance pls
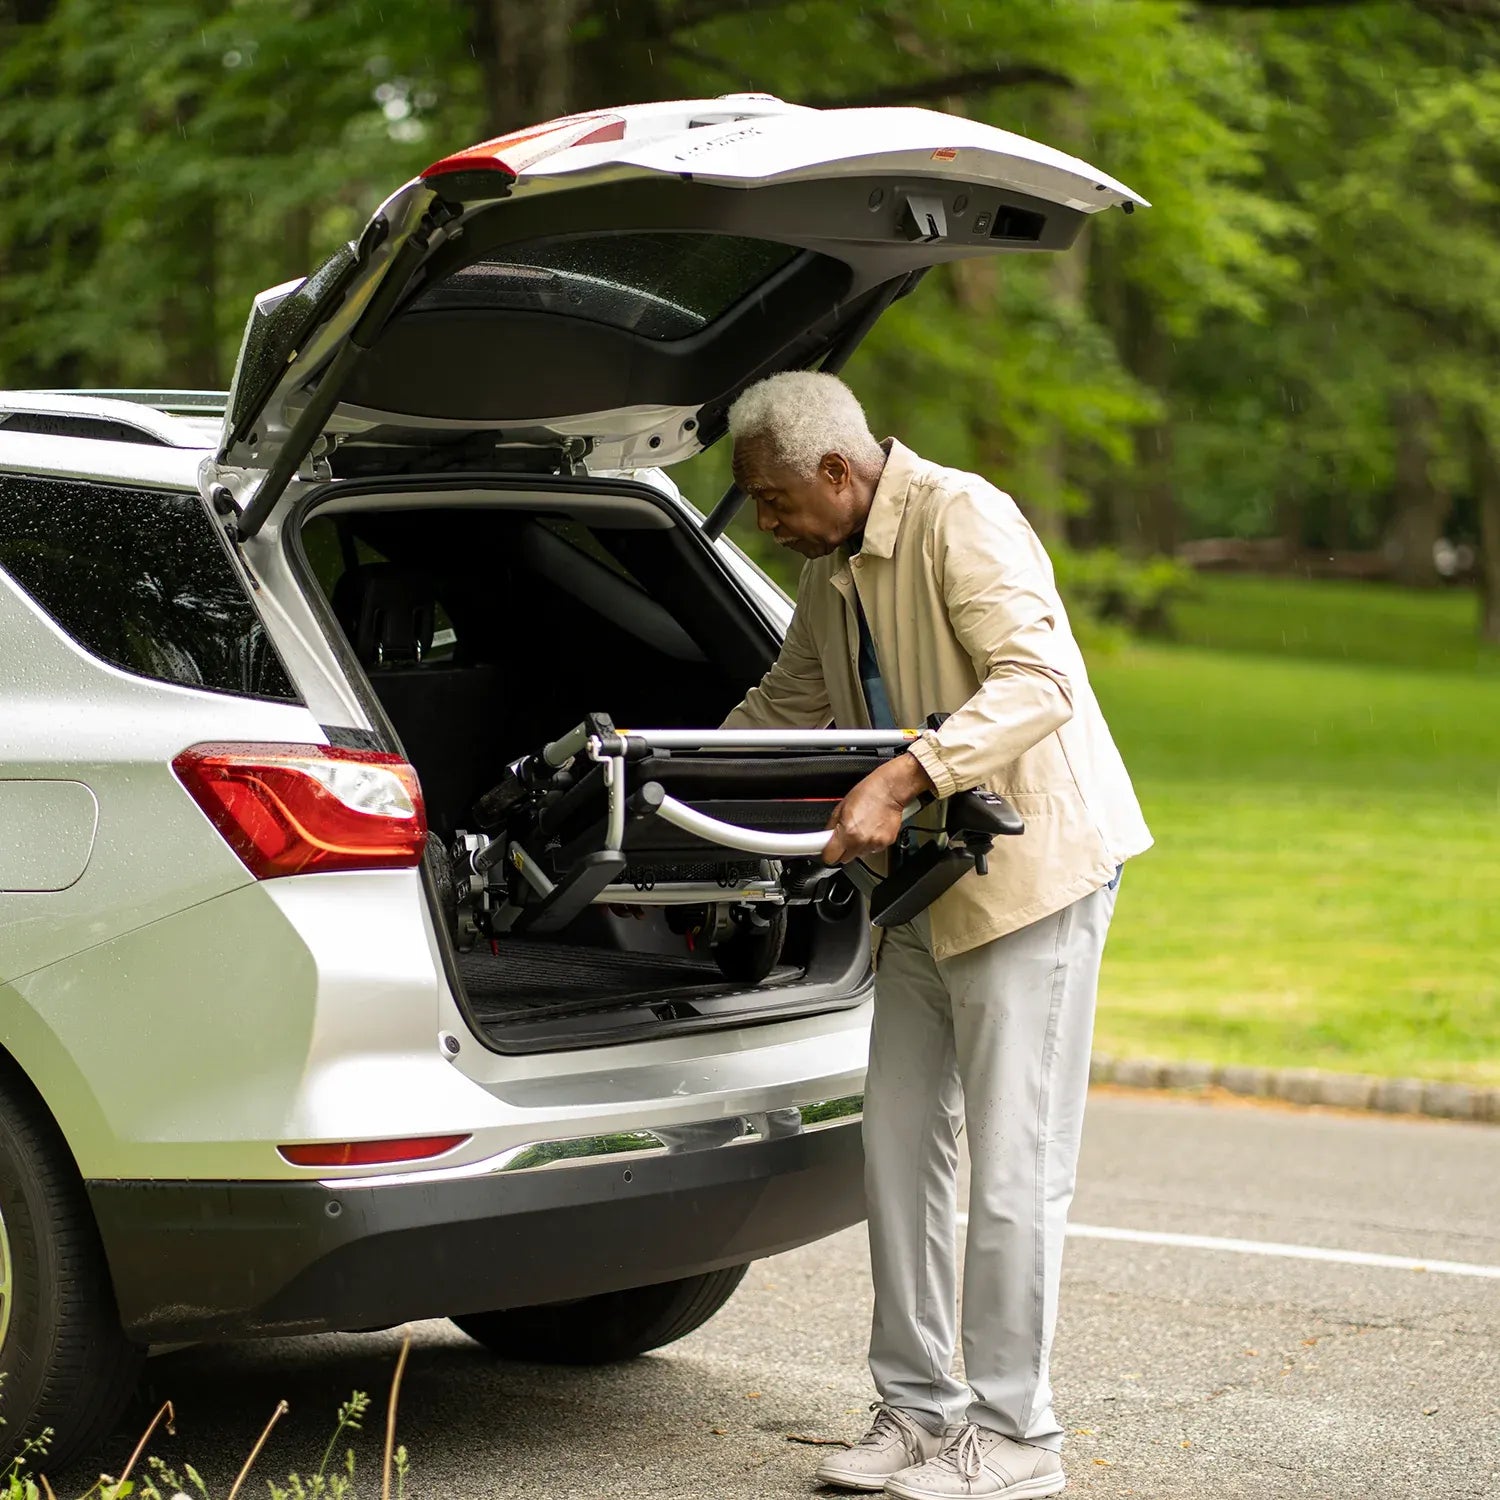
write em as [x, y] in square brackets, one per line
[663, 1140]
[625, 1146]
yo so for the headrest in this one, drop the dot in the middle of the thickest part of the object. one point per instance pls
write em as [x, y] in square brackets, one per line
[388, 612]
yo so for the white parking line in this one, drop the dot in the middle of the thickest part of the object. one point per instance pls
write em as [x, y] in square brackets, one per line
[1268, 1247]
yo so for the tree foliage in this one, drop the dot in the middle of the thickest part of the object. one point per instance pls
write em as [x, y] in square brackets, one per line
[1297, 340]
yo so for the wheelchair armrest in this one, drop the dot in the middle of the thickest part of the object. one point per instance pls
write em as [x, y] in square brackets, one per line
[981, 812]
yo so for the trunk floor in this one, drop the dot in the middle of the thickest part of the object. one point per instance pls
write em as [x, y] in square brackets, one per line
[528, 979]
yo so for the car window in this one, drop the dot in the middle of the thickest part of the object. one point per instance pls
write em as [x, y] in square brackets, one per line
[660, 285]
[140, 579]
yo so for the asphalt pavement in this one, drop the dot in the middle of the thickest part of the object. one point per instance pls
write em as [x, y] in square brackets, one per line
[1194, 1369]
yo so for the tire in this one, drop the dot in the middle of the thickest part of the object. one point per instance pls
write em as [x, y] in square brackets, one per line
[605, 1329]
[754, 949]
[67, 1365]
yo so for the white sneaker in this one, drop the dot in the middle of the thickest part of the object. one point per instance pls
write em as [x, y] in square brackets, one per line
[894, 1442]
[984, 1465]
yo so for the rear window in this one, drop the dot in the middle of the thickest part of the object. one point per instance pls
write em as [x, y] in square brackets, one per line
[140, 579]
[660, 286]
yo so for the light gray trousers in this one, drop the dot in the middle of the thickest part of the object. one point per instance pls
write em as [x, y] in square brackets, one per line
[1003, 1032]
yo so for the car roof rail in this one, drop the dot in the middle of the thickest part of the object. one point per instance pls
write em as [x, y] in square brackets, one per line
[113, 416]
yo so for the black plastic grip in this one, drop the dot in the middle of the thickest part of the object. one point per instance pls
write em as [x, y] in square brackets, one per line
[918, 882]
[985, 813]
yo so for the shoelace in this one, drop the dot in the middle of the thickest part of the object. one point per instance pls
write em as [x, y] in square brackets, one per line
[888, 1423]
[964, 1455]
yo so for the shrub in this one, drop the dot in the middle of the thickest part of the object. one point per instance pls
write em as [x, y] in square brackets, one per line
[1106, 586]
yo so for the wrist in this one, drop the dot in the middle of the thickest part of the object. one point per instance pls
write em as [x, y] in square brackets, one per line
[909, 779]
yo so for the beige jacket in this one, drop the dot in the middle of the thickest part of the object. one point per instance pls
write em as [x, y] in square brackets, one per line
[966, 619]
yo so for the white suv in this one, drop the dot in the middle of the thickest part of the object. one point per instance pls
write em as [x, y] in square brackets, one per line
[258, 658]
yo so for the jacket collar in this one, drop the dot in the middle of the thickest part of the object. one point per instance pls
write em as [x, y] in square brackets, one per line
[889, 504]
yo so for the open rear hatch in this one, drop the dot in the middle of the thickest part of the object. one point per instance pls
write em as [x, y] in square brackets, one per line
[599, 289]
[590, 297]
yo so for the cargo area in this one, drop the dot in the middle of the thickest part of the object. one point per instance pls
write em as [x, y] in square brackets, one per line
[487, 624]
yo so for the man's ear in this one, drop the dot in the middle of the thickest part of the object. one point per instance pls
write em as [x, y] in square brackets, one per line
[835, 469]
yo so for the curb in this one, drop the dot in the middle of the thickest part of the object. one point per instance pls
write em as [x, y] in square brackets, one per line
[1399, 1096]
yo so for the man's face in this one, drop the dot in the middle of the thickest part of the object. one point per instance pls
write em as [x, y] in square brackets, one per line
[813, 515]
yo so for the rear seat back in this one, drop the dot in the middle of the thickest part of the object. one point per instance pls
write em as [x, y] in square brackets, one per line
[447, 712]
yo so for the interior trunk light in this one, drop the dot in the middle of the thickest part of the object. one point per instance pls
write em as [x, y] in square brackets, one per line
[370, 1153]
[301, 809]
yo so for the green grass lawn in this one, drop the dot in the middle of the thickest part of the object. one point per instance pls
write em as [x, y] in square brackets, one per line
[1321, 769]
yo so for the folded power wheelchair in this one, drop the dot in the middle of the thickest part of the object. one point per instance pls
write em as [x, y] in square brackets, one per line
[724, 828]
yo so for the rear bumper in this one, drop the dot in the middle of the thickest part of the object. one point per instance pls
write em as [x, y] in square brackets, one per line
[215, 1260]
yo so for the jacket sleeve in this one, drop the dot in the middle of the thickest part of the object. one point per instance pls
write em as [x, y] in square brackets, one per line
[1004, 609]
[793, 694]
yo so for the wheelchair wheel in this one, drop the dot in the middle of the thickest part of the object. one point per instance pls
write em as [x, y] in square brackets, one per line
[749, 954]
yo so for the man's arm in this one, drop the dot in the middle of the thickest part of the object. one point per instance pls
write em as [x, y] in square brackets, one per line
[869, 818]
[793, 694]
[1004, 610]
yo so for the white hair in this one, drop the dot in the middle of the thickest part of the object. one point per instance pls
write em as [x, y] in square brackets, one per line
[803, 415]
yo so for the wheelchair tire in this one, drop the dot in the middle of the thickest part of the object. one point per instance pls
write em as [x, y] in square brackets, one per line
[754, 949]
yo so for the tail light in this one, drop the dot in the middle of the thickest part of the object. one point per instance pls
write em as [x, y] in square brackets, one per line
[513, 154]
[370, 1153]
[297, 809]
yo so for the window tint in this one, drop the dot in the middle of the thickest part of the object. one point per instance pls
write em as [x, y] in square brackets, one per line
[139, 578]
[661, 286]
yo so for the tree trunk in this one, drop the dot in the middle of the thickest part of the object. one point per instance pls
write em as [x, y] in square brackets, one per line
[190, 344]
[1420, 507]
[1144, 503]
[1067, 277]
[1484, 472]
[1065, 115]
[293, 248]
[526, 53]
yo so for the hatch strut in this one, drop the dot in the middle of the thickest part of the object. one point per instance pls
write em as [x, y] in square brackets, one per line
[837, 357]
[308, 427]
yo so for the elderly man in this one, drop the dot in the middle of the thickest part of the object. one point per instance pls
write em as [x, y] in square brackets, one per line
[925, 591]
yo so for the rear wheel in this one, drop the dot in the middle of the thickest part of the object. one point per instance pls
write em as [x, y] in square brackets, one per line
[753, 949]
[601, 1330]
[66, 1363]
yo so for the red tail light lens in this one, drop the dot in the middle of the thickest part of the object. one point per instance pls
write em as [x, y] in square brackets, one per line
[297, 809]
[513, 154]
[370, 1153]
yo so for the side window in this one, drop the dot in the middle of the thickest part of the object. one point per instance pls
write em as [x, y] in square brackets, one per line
[139, 578]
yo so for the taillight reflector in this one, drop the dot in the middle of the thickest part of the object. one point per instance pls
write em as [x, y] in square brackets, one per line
[370, 1153]
[299, 809]
[467, 161]
[514, 153]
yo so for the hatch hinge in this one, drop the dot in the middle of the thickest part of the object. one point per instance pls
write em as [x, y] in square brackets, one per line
[316, 466]
[572, 454]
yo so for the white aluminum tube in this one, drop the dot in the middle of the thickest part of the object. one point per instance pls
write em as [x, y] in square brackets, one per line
[773, 739]
[614, 781]
[750, 840]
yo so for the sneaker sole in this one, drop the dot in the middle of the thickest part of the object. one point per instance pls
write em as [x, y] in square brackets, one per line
[1027, 1489]
[870, 1484]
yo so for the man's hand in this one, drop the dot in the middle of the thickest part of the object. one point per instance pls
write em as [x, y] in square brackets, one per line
[869, 818]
